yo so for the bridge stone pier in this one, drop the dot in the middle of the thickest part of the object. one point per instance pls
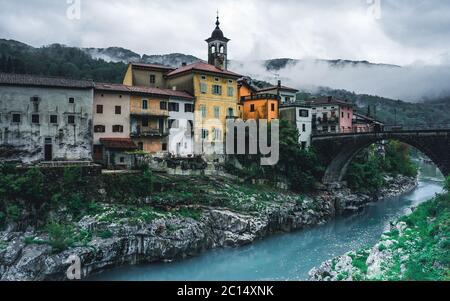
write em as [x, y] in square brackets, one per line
[338, 150]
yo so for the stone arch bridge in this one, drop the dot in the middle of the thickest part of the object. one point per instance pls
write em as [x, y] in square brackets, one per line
[337, 150]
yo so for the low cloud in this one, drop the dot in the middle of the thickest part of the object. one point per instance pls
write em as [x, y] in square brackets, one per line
[410, 83]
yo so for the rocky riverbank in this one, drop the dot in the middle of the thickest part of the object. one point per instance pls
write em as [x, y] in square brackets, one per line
[416, 247]
[118, 234]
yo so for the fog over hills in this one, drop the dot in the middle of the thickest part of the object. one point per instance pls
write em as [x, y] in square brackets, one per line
[413, 83]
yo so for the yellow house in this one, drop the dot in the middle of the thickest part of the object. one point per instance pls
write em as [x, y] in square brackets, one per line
[216, 97]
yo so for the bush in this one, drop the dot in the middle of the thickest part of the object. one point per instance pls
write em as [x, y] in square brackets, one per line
[2, 218]
[14, 212]
[447, 184]
[61, 237]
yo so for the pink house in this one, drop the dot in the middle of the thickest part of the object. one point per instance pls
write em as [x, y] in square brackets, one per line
[331, 115]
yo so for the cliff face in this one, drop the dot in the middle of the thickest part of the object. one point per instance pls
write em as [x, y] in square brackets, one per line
[132, 240]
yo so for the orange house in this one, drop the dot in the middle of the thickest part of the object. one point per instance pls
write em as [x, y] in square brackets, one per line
[257, 106]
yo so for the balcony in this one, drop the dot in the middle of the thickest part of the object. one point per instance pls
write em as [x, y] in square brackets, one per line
[149, 133]
[150, 113]
[259, 97]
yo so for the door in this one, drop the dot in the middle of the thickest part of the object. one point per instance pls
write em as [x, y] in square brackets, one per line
[48, 152]
[98, 153]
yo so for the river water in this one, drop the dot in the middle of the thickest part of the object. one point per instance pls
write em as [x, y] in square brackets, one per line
[290, 256]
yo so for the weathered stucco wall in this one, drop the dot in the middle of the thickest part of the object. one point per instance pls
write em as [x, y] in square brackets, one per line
[25, 140]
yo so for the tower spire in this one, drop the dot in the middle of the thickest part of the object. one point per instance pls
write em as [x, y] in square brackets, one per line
[217, 22]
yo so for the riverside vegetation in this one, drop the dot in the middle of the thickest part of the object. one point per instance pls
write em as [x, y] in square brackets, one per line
[417, 247]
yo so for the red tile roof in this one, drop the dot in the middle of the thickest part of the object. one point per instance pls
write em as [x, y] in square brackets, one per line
[118, 143]
[328, 100]
[43, 81]
[283, 88]
[152, 67]
[202, 67]
[142, 90]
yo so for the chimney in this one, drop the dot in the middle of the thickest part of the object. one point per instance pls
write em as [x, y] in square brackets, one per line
[279, 84]
[330, 98]
[174, 88]
[183, 64]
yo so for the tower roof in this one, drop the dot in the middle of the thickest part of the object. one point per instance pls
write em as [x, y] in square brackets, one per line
[217, 34]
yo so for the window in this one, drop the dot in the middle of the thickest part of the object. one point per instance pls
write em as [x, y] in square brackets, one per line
[189, 108]
[164, 147]
[174, 107]
[324, 116]
[217, 90]
[118, 110]
[342, 114]
[174, 124]
[252, 108]
[216, 112]
[287, 99]
[203, 88]
[304, 127]
[325, 128]
[217, 134]
[117, 128]
[205, 134]
[16, 118]
[152, 79]
[144, 104]
[203, 77]
[145, 121]
[54, 119]
[71, 119]
[99, 109]
[163, 105]
[122, 159]
[35, 118]
[230, 81]
[141, 146]
[230, 91]
[71, 100]
[35, 101]
[230, 112]
[203, 111]
[333, 128]
[348, 115]
[303, 113]
[303, 145]
[272, 107]
[216, 79]
[99, 129]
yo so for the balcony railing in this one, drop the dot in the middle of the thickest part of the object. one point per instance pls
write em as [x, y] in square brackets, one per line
[150, 112]
[149, 133]
[259, 97]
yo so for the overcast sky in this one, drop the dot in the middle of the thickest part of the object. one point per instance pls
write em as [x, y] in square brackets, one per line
[403, 32]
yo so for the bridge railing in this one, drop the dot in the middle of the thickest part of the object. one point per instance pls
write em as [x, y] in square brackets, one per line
[390, 128]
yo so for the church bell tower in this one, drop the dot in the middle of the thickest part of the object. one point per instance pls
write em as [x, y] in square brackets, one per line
[217, 47]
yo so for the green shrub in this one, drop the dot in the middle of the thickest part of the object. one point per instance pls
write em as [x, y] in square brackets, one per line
[447, 184]
[14, 212]
[195, 214]
[2, 218]
[105, 234]
[61, 236]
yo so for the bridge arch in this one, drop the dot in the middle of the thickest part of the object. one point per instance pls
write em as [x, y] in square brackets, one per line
[338, 151]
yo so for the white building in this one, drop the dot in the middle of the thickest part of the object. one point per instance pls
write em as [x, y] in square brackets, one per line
[287, 95]
[301, 116]
[181, 127]
[45, 119]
